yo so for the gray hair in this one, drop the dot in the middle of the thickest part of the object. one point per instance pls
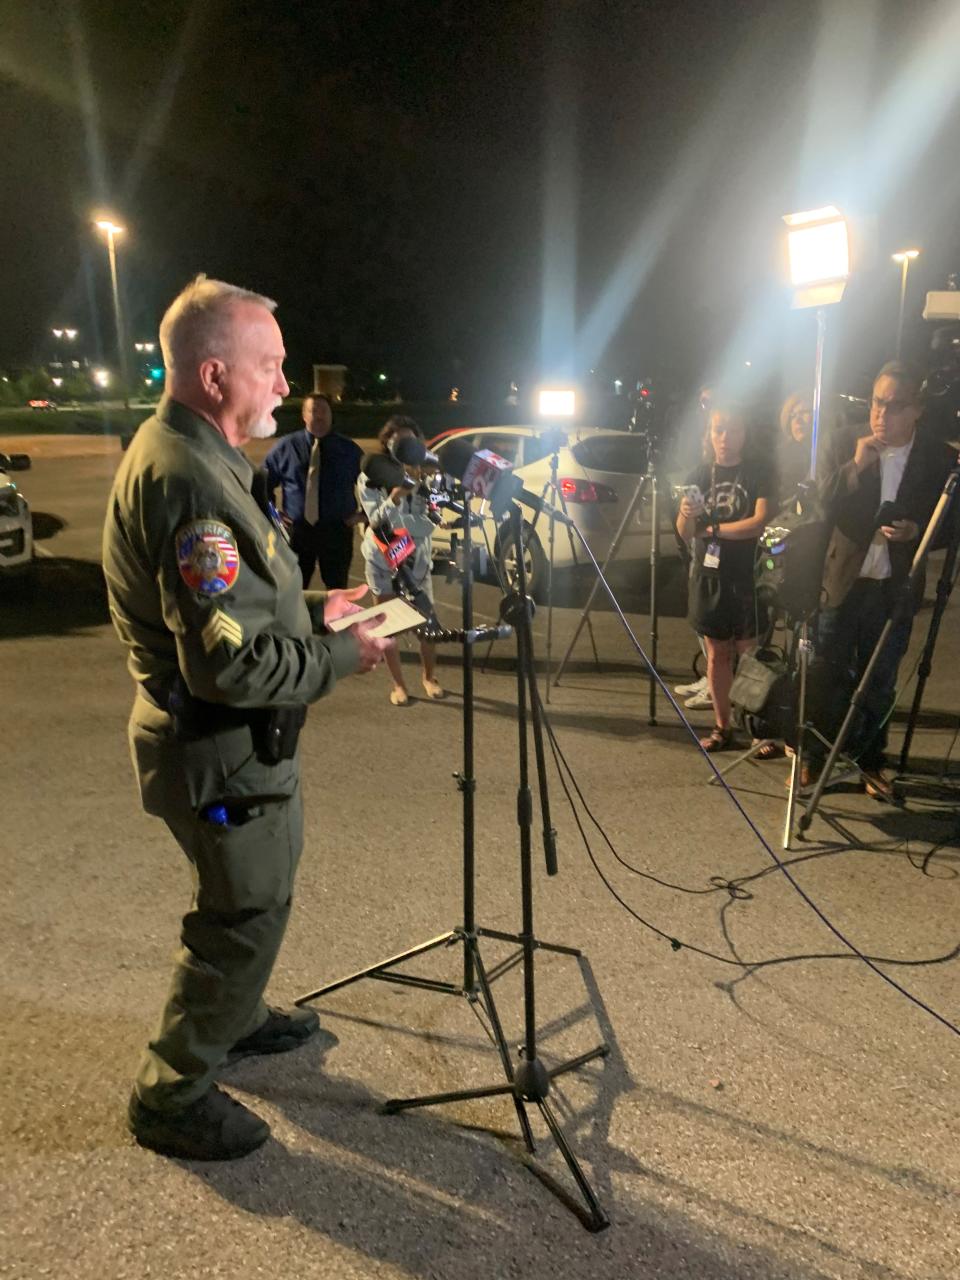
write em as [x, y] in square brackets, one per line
[196, 325]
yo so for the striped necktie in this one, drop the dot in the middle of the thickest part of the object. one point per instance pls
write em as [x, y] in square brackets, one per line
[311, 505]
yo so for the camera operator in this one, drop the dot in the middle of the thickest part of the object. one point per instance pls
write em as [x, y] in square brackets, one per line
[736, 494]
[879, 490]
[393, 492]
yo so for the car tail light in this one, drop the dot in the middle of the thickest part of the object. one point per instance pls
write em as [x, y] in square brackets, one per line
[586, 491]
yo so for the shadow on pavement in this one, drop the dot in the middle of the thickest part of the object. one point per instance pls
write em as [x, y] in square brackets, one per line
[61, 596]
[443, 1193]
[46, 525]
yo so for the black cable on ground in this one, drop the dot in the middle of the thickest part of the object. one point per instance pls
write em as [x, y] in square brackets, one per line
[676, 943]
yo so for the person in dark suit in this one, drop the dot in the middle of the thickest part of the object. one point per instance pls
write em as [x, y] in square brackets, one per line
[316, 471]
[879, 491]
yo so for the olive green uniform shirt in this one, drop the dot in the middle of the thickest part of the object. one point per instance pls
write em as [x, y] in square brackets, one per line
[240, 630]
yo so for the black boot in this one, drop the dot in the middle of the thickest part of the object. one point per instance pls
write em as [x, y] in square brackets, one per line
[281, 1031]
[215, 1127]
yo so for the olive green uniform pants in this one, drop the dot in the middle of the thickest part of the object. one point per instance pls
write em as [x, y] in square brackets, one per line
[242, 887]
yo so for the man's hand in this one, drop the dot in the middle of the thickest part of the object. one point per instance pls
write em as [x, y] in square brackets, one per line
[901, 531]
[371, 648]
[690, 510]
[339, 603]
[867, 452]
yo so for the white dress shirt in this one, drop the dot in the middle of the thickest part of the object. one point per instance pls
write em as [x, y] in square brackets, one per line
[876, 564]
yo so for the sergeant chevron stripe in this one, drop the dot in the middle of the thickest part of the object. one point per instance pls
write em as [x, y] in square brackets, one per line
[221, 629]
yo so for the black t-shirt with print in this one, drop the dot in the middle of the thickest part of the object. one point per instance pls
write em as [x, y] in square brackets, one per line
[730, 494]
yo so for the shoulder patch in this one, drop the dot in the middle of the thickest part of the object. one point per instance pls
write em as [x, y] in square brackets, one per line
[207, 556]
[221, 629]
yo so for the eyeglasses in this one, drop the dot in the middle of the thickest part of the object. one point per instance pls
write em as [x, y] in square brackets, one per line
[891, 406]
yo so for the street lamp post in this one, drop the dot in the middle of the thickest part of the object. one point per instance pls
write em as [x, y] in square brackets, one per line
[904, 257]
[112, 230]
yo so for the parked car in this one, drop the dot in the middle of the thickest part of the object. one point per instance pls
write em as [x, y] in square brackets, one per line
[16, 524]
[597, 476]
[43, 404]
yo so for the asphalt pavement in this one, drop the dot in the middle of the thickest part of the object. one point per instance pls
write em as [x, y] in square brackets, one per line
[772, 1110]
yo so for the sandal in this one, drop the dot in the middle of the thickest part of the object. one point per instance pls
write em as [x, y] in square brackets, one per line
[399, 698]
[767, 749]
[433, 690]
[720, 739]
[877, 785]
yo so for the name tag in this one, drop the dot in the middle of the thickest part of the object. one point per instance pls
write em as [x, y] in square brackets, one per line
[711, 558]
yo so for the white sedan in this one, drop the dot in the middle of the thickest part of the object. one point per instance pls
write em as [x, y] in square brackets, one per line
[16, 524]
[598, 472]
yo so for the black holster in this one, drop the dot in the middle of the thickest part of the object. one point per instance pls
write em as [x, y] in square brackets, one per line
[275, 730]
[280, 733]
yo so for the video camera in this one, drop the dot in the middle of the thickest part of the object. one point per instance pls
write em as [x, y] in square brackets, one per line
[941, 387]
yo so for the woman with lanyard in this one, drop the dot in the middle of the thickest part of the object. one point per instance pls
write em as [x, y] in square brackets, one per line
[384, 492]
[729, 500]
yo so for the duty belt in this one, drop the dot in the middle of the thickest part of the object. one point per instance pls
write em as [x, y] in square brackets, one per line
[275, 730]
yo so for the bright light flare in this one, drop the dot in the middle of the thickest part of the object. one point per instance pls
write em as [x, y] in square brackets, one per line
[818, 246]
[109, 226]
[905, 255]
[101, 377]
[556, 402]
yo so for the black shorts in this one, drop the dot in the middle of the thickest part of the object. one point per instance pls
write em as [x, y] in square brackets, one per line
[725, 609]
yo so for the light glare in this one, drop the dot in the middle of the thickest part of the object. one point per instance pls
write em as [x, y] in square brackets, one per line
[557, 402]
[819, 253]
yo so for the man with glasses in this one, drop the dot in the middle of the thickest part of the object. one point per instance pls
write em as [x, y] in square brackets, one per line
[879, 489]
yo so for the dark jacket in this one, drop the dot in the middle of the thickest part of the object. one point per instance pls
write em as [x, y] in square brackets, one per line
[287, 463]
[851, 502]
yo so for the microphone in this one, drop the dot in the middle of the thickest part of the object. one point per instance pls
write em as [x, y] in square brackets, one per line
[410, 451]
[483, 473]
[543, 508]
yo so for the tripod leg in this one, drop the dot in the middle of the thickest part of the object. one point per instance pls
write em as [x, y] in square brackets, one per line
[654, 567]
[595, 1219]
[573, 556]
[611, 556]
[796, 765]
[373, 970]
[502, 1049]
[944, 588]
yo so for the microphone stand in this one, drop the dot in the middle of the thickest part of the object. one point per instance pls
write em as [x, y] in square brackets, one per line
[529, 1081]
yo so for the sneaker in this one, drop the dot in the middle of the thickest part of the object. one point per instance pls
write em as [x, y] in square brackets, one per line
[215, 1127]
[281, 1032]
[699, 701]
[688, 690]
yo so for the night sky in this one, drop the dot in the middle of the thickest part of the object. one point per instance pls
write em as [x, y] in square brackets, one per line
[468, 192]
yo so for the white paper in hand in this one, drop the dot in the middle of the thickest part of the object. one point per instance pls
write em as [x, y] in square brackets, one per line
[398, 616]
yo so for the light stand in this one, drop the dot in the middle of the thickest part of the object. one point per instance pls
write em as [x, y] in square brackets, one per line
[902, 604]
[552, 487]
[804, 645]
[819, 265]
[527, 1082]
[646, 484]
